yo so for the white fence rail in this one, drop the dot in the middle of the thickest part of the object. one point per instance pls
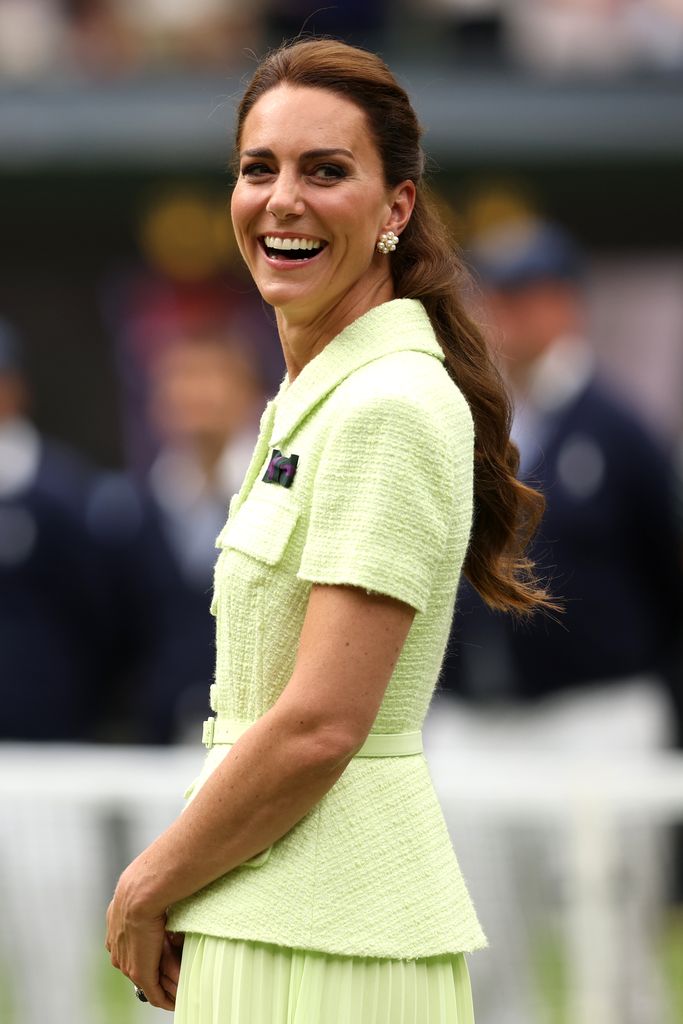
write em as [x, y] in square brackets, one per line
[588, 801]
[45, 789]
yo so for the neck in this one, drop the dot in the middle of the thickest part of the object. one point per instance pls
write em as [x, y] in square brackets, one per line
[208, 450]
[303, 338]
[556, 375]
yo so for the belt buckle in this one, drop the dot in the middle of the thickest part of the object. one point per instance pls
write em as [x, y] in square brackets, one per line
[208, 731]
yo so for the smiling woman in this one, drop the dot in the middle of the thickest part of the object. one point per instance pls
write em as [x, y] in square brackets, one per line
[311, 877]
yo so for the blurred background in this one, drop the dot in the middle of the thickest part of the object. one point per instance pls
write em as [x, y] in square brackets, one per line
[135, 360]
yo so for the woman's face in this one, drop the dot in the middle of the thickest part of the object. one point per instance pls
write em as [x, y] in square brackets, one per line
[310, 201]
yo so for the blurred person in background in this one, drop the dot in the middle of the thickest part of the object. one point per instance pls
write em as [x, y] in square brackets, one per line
[204, 389]
[206, 394]
[602, 678]
[55, 669]
[54, 637]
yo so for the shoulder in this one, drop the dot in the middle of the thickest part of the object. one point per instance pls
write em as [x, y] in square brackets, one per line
[406, 390]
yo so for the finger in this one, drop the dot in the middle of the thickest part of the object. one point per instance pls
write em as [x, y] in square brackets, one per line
[169, 986]
[156, 996]
[170, 961]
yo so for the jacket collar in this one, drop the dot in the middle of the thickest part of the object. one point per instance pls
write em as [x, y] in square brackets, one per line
[401, 325]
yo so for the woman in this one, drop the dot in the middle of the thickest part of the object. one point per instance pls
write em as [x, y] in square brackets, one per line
[311, 872]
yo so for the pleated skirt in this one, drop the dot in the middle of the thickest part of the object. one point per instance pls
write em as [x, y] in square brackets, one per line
[228, 981]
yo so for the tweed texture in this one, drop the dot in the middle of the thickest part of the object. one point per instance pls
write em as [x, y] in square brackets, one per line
[381, 499]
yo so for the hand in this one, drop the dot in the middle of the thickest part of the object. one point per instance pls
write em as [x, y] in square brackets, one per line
[136, 938]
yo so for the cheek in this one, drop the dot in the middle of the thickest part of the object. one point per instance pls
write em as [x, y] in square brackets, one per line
[241, 210]
[356, 216]
[360, 237]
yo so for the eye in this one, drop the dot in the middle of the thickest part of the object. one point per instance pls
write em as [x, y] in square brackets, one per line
[255, 170]
[329, 172]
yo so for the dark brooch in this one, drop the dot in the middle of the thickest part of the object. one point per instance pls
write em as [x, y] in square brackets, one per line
[281, 470]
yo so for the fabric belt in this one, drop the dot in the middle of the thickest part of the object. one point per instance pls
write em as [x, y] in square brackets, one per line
[378, 744]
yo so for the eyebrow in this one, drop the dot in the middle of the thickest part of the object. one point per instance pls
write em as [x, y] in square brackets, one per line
[310, 154]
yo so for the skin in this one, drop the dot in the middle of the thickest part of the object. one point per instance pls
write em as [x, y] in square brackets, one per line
[202, 394]
[529, 320]
[351, 640]
[13, 397]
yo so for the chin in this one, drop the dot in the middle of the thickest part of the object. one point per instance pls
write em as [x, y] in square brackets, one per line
[283, 295]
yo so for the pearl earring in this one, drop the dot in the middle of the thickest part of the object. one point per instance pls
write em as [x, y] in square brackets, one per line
[387, 242]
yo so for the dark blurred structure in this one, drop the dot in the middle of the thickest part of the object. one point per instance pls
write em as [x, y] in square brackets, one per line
[55, 641]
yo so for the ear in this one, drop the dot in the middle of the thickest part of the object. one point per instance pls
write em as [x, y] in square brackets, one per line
[401, 203]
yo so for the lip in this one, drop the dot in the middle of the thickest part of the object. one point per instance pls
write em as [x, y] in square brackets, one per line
[291, 234]
[280, 264]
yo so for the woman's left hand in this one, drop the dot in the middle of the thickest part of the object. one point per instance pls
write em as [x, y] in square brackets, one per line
[135, 940]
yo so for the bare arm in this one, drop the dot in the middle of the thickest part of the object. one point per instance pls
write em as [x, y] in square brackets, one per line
[276, 772]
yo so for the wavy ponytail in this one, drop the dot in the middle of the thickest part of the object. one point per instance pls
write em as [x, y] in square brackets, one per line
[427, 266]
[506, 511]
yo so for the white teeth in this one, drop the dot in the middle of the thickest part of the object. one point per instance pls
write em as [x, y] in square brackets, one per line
[273, 242]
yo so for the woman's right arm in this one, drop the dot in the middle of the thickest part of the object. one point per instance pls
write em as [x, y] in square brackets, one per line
[275, 773]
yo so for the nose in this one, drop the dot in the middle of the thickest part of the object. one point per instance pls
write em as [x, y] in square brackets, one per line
[285, 199]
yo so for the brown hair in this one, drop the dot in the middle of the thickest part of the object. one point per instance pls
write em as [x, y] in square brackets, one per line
[427, 266]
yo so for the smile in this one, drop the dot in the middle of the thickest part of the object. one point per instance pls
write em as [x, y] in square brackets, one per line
[291, 250]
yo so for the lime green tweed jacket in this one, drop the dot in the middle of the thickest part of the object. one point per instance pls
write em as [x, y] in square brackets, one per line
[381, 499]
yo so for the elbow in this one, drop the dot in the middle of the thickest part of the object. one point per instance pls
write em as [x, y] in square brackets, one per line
[331, 747]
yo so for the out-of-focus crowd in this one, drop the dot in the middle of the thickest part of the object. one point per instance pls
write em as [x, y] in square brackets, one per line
[113, 38]
[106, 576]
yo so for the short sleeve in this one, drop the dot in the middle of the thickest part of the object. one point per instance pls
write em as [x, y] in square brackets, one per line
[382, 502]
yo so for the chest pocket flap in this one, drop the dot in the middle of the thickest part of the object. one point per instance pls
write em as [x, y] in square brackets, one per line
[262, 526]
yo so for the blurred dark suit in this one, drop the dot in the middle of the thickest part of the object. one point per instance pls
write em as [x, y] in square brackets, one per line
[158, 542]
[165, 629]
[607, 545]
[54, 643]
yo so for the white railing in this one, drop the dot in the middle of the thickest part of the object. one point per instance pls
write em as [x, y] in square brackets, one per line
[585, 800]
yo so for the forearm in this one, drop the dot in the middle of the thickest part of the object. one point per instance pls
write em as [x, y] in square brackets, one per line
[290, 758]
[268, 781]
